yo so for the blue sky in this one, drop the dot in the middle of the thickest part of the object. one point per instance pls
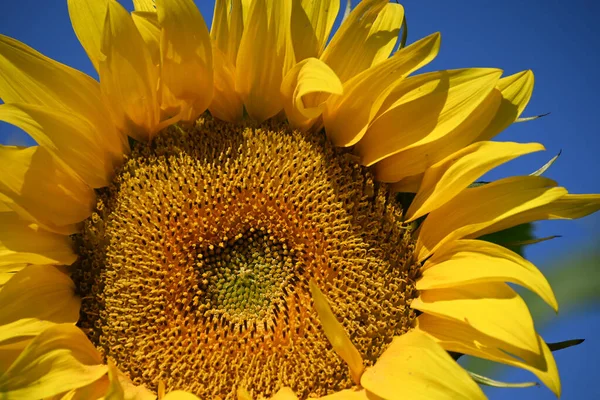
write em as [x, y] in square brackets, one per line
[558, 40]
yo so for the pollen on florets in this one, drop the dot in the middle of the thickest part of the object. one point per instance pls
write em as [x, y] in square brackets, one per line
[194, 269]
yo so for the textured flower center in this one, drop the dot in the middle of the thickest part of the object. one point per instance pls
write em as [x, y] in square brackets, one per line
[195, 268]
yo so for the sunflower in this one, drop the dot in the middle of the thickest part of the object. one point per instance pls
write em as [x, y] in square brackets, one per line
[218, 216]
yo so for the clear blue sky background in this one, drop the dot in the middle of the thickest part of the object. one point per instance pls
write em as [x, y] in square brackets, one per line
[558, 40]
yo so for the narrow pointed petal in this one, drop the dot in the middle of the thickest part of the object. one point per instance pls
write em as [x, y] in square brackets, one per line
[264, 57]
[424, 108]
[312, 21]
[461, 337]
[492, 308]
[186, 55]
[87, 18]
[307, 77]
[336, 334]
[36, 298]
[365, 38]
[414, 363]
[516, 91]
[447, 178]
[128, 77]
[227, 27]
[349, 115]
[473, 212]
[59, 359]
[41, 186]
[120, 387]
[24, 242]
[475, 261]
[149, 28]
[144, 5]
[569, 206]
[29, 77]
[70, 138]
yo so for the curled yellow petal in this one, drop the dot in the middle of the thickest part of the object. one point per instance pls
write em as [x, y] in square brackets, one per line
[336, 334]
[476, 261]
[365, 38]
[461, 337]
[307, 77]
[128, 77]
[424, 108]
[447, 178]
[186, 56]
[414, 363]
[39, 186]
[58, 360]
[36, 298]
[492, 308]
[348, 116]
[484, 209]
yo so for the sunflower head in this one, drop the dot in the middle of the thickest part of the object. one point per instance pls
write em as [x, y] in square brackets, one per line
[218, 216]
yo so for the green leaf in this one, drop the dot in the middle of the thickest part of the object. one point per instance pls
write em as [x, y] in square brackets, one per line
[515, 238]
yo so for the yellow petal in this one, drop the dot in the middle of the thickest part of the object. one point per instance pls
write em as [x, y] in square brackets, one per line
[69, 137]
[149, 28]
[227, 27]
[8, 271]
[29, 77]
[365, 38]
[569, 206]
[424, 108]
[312, 21]
[350, 394]
[516, 91]
[500, 204]
[447, 178]
[476, 261]
[93, 391]
[285, 393]
[414, 363]
[36, 298]
[144, 5]
[10, 350]
[87, 18]
[180, 395]
[460, 337]
[59, 359]
[243, 394]
[264, 57]
[24, 242]
[336, 334]
[307, 77]
[128, 78]
[492, 308]
[226, 104]
[42, 187]
[348, 116]
[413, 161]
[120, 387]
[186, 55]
[410, 184]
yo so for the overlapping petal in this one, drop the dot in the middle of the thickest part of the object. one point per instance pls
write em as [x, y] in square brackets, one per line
[34, 299]
[311, 24]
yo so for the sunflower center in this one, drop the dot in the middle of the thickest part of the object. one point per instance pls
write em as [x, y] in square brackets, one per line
[194, 270]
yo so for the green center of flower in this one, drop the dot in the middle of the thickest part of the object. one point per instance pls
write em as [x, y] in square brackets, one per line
[195, 268]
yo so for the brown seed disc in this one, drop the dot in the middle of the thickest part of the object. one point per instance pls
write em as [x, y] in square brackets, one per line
[194, 268]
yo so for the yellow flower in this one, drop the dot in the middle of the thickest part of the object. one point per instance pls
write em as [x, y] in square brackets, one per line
[217, 217]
